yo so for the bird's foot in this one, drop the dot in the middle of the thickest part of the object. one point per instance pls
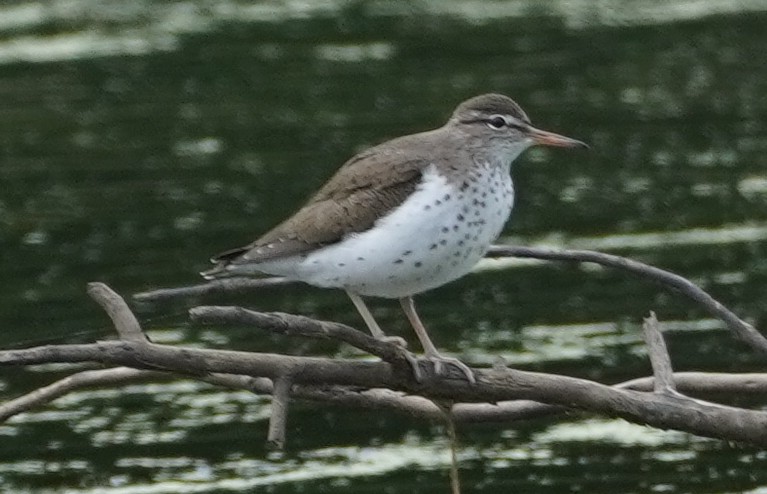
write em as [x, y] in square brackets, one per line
[440, 362]
[397, 340]
[413, 361]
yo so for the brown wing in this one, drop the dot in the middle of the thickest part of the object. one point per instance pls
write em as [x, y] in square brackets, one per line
[366, 188]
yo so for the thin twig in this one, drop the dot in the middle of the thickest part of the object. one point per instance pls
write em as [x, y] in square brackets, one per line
[292, 325]
[743, 330]
[660, 360]
[125, 322]
[84, 379]
[279, 417]
[227, 285]
[447, 415]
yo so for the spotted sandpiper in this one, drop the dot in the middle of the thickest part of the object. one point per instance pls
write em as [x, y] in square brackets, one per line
[405, 216]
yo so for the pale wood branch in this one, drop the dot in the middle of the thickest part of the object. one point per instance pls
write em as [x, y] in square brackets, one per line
[80, 380]
[500, 394]
[224, 286]
[667, 412]
[292, 325]
[659, 357]
[700, 383]
[743, 330]
[125, 323]
[279, 417]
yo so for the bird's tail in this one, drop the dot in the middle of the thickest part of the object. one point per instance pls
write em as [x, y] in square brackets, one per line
[216, 272]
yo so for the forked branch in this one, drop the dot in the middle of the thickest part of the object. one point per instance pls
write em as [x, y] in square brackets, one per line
[500, 394]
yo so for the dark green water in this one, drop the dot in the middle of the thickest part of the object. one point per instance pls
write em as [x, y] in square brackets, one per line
[136, 140]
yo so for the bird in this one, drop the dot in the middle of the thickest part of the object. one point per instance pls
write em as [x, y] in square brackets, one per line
[405, 216]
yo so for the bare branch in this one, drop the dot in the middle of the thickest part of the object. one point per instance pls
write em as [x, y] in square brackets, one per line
[279, 418]
[90, 378]
[228, 286]
[292, 325]
[492, 386]
[659, 357]
[381, 399]
[499, 393]
[743, 330]
[125, 322]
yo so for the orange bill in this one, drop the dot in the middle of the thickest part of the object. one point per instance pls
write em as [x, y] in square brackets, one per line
[551, 139]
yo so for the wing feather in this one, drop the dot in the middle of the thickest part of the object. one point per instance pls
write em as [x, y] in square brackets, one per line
[363, 190]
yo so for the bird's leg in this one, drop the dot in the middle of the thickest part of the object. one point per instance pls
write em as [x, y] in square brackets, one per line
[429, 349]
[378, 334]
[371, 323]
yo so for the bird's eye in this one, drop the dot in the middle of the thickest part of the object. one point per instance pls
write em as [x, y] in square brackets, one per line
[496, 122]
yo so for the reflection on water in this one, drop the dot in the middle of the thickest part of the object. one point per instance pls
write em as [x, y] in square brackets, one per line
[139, 138]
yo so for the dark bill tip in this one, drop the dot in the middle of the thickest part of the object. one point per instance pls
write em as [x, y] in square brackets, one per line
[545, 138]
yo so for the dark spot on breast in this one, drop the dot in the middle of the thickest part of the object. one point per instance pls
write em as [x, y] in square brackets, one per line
[456, 228]
[437, 202]
[432, 246]
[466, 237]
[418, 264]
[341, 264]
[426, 208]
[464, 186]
[360, 258]
[460, 217]
[445, 229]
[407, 252]
[460, 243]
[443, 242]
[398, 261]
[446, 198]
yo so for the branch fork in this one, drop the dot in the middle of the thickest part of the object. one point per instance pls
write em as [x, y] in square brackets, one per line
[500, 393]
